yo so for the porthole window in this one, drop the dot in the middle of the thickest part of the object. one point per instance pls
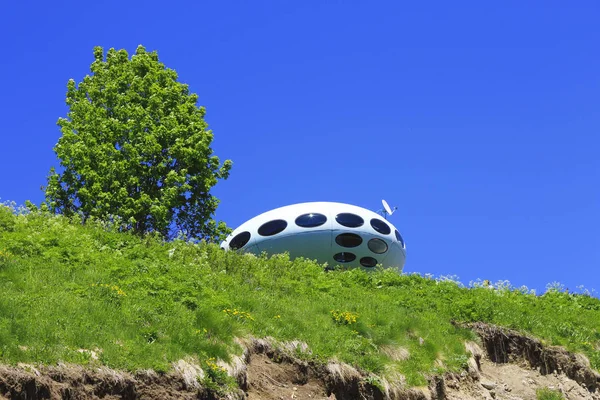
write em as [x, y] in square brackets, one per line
[348, 240]
[349, 220]
[272, 227]
[344, 257]
[380, 226]
[311, 220]
[377, 246]
[239, 240]
[368, 262]
[399, 237]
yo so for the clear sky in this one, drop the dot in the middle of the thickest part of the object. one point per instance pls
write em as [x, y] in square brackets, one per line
[480, 120]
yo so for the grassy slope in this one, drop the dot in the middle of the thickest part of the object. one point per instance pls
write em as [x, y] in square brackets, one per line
[144, 304]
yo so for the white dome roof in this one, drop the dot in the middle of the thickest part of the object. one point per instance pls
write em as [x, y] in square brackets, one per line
[335, 233]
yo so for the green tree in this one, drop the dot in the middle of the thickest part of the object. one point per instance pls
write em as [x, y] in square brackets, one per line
[135, 146]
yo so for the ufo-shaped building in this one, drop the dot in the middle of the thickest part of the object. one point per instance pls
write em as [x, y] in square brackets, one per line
[335, 233]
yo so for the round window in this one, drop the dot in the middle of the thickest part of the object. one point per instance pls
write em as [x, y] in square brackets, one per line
[380, 226]
[239, 240]
[348, 240]
[377, 246]
[399, 237]
[349, 220]
[344, 257]
[272, 227]
[311, 220]
[368, 262]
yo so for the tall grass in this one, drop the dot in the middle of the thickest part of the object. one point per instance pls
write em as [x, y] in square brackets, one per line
[91, 294]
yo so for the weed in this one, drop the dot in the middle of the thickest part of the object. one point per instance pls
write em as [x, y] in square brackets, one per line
[241, 316]
[216, 377]
[344, 317]
[548, 394]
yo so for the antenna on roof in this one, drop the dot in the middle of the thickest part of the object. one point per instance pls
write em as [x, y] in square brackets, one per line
[386, 209]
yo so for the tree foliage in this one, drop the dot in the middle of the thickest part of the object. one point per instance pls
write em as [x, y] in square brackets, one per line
[135, 147]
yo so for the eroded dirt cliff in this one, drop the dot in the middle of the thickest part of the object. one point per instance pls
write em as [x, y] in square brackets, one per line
[508, 365]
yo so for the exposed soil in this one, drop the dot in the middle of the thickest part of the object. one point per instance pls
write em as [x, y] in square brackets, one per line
[513, 366]
[505, 345]
[271, 380]
[510, 366]
[73, 382]
[511, 382]
[273, 373]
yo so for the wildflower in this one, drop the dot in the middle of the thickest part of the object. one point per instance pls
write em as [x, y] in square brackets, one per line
[239, 315]
[213, 366]
[5, 255]
[344, 317]
[113, 288]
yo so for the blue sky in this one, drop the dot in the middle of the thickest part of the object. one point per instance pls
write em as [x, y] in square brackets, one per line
[479, 120]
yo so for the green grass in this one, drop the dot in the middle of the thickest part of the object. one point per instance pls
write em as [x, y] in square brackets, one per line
[143, 303]
[548, 394]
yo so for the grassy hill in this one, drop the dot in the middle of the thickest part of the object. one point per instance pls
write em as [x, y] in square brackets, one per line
[89, 294]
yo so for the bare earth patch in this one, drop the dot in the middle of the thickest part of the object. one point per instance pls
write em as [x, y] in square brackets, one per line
[270, 380]
[511, 382]
[74, 382]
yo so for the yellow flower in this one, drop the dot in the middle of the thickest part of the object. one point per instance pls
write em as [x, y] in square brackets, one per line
[344, 317]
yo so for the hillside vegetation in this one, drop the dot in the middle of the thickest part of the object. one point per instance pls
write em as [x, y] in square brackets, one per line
[90, 294]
